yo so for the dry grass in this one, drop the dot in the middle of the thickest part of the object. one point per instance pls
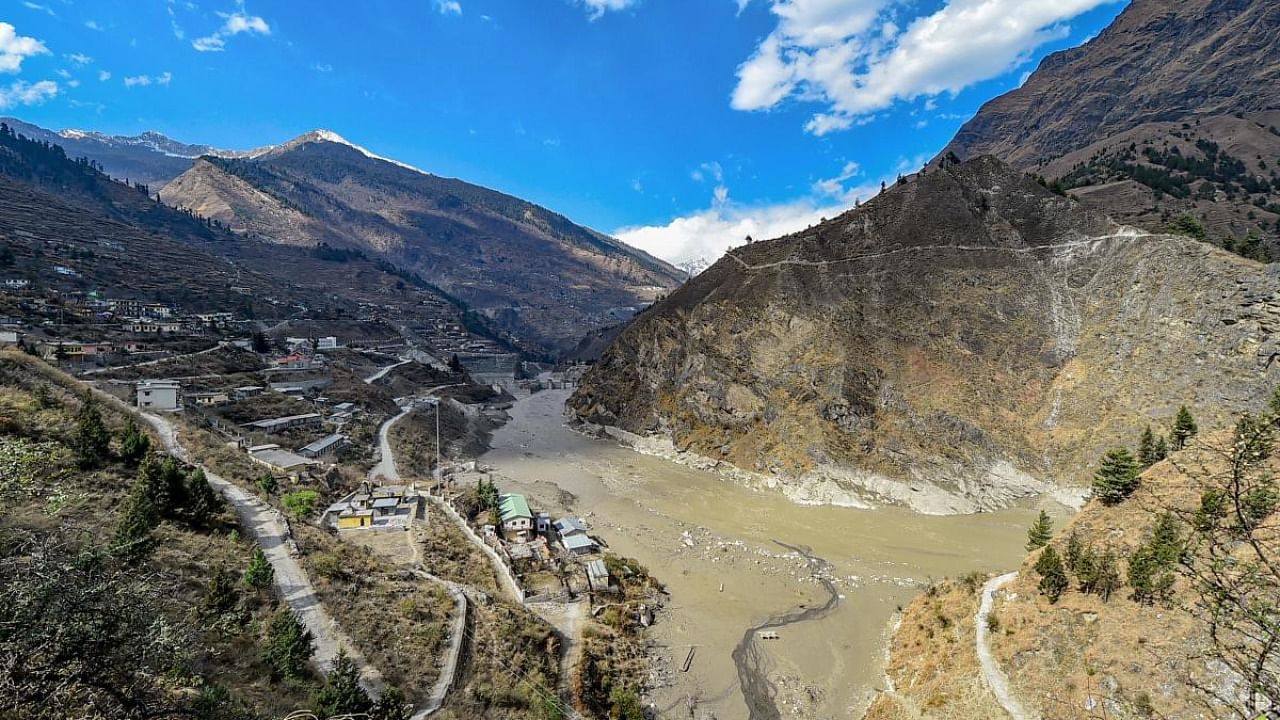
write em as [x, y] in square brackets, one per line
[932, 661]
[399, 622]
[85, 505]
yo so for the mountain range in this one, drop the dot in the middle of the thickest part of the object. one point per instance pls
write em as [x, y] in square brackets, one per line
[504, 257]
[1174, 109]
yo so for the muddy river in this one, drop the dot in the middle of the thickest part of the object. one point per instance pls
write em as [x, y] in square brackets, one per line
[744, 565]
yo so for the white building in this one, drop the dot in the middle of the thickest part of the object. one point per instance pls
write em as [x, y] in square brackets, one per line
[327, 343]
[159, 394]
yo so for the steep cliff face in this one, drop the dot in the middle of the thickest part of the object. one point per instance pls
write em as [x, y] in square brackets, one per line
[962, 339]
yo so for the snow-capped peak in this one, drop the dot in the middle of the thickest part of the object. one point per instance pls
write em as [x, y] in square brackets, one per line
[323, 135]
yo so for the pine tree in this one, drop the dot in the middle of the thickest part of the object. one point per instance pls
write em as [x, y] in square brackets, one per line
[391, 705]
[1040, 533]
[1053, 578]
[220, 595]
[1116, 478]
[1107, 575]
[341, 693]
[259, 573]
[1075, 551]
[134, 444]
[1184, 428]
[202, 503]
[1147, 448]
[91, 441]
[133, 539]
[1162, 448]
[288, 647]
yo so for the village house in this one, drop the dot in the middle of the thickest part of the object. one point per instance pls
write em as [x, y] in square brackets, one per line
[247, 391]
[209, 399]
[272, 425]
[598, 576]
[159, 395]
[153, 327]
[324, 447]
[278, 459]
[327, 343]
[373, 507]
[294, 361]
[517, 520]
[9, 337]
[73, 350]
[580, 544]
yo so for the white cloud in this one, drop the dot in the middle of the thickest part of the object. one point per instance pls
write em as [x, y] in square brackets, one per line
[851, 56]
[695, 240]
[40, 8]
[448, 7]
[15, 48]
[597, 8]
[322, 67]
[211, 43]
[233, 24]
[698, 239]
[73, 83]
[24, 93]
[103, 75]
[93, 25]
[79, 58]
[163, 79]
[178, 32]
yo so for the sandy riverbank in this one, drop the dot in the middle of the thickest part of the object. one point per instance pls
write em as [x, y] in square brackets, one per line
[699, 533]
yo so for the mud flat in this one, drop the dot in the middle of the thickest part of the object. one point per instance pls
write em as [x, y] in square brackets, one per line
[743, 564]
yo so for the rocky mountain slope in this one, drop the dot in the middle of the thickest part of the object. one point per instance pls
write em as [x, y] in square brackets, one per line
[532, 271]
[1174, 108]
[150, 158]
[963, 338]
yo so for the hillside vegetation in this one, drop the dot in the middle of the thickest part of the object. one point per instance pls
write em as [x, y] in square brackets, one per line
[1161, 600]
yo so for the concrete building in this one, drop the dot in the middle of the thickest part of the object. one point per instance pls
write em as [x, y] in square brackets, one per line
[209, 399]
[579, 545]
[288, 422]
[278, 459]
[327, 343]
[324, 447]
[517, 520]
[159, 395]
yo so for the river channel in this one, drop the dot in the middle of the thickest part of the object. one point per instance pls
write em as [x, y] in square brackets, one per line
[743, 565]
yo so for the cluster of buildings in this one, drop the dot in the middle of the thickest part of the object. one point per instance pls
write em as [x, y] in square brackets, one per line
[520, 525]
[374, 507]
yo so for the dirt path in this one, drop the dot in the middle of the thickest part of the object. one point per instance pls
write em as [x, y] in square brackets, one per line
[157, 361]
[386, 467]
[991, 672]
[1128, 235]
[382, 372]
[567, 619]
[270, 530]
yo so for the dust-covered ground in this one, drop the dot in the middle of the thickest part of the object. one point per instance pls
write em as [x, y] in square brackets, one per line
[735, 560]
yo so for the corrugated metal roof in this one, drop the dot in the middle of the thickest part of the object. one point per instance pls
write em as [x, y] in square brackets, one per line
[578, 542]
[513, 506]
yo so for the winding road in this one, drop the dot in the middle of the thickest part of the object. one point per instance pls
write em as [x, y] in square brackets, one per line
[271, 532]
[991, 672]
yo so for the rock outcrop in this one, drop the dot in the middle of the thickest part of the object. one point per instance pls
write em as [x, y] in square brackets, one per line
[962, 339]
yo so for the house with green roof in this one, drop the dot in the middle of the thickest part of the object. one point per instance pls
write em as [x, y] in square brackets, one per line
[517, 520]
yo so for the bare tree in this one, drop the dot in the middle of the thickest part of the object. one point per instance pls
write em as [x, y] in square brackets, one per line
[1232, 564]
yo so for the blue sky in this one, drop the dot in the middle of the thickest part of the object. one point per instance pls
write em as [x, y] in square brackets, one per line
[680, 125]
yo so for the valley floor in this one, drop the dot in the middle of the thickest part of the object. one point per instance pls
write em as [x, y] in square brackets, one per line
[736, 559]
